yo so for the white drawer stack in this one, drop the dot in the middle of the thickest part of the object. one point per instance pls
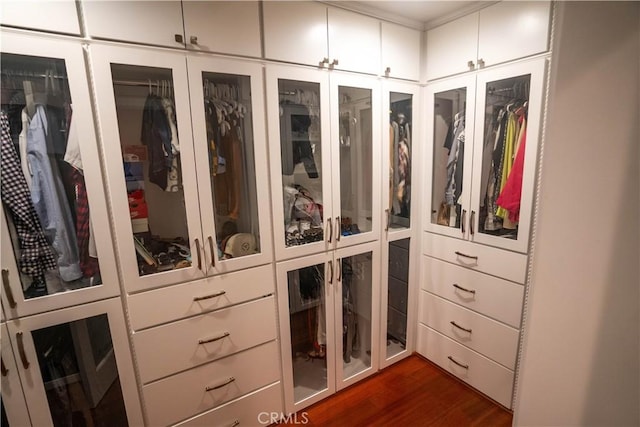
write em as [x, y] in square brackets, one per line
[470, 313]
[211, 350]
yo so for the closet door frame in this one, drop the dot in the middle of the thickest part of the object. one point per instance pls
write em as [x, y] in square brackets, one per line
[12, 396]
[196, 66]
[537, 69]
[321, 77]
[71, 52]
[102, 56]
[471, 136]
[31, 378]
[338, 79]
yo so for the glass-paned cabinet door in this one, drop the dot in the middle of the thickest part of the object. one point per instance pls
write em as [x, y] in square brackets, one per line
[357, 301]
[356, 161]
[451, 124]
[301, 160]
[396, 299]
[14, 407]
[230, 146]
[72, 363]
[509, 105]
[143, 105]
[53, 202]
[308, 344]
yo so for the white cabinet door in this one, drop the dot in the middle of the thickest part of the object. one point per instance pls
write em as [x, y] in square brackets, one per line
[510, 30]
[148, 22]
[510, 100]
[14, 407]
[64, 202]
[58, 17]
[450, 108]
[223, 26]
[400, 51]
[145, 121]
[295, 31]
[354, 41]
[452, 48]
[60, 369]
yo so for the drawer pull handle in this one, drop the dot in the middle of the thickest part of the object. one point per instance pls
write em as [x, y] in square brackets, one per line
[23, 355]
[208, 340]
[7, 288]
[213, 257]
[466, 256]
[215, 387]
[5, 371]
[217, 294]
[458, 363]
[460, 327]
[471, 291]
[330, 232]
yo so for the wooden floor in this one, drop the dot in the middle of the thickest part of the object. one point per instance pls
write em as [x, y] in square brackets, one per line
[413, 392]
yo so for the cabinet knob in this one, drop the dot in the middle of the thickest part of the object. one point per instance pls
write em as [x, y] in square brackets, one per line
[480, 63]
[387, 71]
[334, 62]
[325, 61]
[471, 65]
[193, 40]
[178, 38]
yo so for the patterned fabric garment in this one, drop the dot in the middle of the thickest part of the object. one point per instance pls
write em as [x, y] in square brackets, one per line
[35, 254]
[88, 264]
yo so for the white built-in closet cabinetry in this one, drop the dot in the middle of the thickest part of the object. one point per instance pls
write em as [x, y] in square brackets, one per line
[483, 130]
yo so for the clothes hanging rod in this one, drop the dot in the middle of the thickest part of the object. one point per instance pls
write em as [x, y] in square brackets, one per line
[134, 83]
[9, 74]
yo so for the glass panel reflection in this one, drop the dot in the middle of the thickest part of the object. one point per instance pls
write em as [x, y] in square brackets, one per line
[308, 322]
[401, 125]
[448, 157]
[503, 156]
[355, 160]
[228, 112]
[356, 276]
[150, 147]
[398, 288]
[301, 154]
[81, 389]
[43, 187]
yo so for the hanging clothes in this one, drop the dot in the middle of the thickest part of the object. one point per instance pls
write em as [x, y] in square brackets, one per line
[455, 161]
[510, 197]
[156, 135]
[173, 173]
[36, 256]
[492, 222]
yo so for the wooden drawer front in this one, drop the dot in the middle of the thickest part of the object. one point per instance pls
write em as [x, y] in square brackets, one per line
[493, 297]
[175, 347]
[184, 395]
[492, 379]
[193, 298]
[497, 262]
[493, 339]
[253, 409]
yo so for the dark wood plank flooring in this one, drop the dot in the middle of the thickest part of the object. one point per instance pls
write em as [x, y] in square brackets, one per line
[413, 392]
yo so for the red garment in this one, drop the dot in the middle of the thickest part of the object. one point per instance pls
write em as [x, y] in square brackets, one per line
[88, 264]
[509, 199]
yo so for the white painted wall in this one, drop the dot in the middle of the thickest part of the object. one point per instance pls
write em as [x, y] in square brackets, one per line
[582, 348]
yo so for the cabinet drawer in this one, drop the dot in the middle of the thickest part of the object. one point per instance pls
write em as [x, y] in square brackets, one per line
[183, 395]
[508, 265]
[492, 379]
[493, 339]
[493, 297]
[171, 348]
[253, 409]
[193, 298]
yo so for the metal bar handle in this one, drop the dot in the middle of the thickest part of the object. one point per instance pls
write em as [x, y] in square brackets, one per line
[466, 256]
[460, 327]
[331, 269]
[458, 363]
[7, 288]
[198, 254]
[213, 257]
[464, 219]
[206, 341]
[215, 387]
[338, 228]
[3, 368]
[236, 423]
[388, 213]
[339, 268]
[472, 221]
[23, 355]
[330, 227]
[217, 294]
[471, 291]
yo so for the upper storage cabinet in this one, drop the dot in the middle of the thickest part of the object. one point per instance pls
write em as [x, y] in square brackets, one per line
[217, 26]
[400, 51]
[56, 251]
[499, 33]
[55, 16]
[186, 182]
[314, 34]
